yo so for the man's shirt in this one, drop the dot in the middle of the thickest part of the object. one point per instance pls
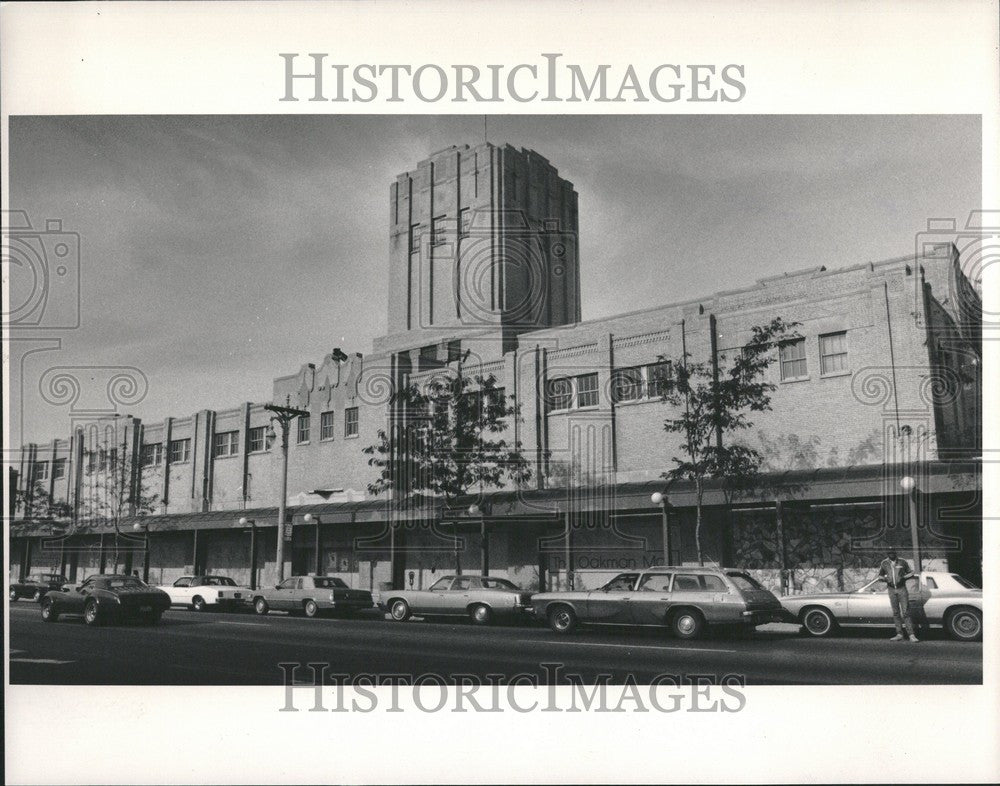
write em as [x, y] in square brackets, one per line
[894, 572]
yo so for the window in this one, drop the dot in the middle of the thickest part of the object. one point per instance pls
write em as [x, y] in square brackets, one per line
[586, 390]
[40, 471]
[180, 450]
[687, 584]
[655, 582]
[833, 353]
[931, 584]
[302, 434]
[351, 422]
[441, 584]
[91, 460]
[464, 222]
[59, 469]
[326, 426]
[621, 583]
[102, 459]
[714, 584]
[258, 439]
[287, 584]
[183, 582]
[227, 443]
[152, 454]
[560, 393]
[626, 384]
[792, 358]
[438, 235]
[744, 582]
[113, 458]
[414, 238]
[657, 378]
[464, 583]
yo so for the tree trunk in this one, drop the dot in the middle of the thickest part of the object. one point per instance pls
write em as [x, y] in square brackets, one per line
[697, 523]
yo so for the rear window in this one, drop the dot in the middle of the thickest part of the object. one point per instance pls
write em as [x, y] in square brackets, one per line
[328, 582]
[744, 582]
[963, 582]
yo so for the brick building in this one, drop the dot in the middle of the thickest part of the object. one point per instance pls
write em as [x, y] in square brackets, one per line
[484, 275]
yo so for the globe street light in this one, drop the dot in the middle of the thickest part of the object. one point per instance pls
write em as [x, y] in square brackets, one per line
[309, 518]
[909, 487]
[660, 499]
[140, 527]
[245, 522]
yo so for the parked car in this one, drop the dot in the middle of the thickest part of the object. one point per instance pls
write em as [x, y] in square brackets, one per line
[936, 599]
[684, 599]
[312, 595]
[36, 586]
[481, 598]
[107, 598]
[205, 592]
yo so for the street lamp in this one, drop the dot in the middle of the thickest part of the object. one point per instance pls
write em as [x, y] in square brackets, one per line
[244, 522]
[909, 487]
[660, 499]
[284, 416]
[309, 518]
[484, 549]
[144, 528]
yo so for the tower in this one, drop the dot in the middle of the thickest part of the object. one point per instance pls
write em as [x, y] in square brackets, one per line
[482, 239]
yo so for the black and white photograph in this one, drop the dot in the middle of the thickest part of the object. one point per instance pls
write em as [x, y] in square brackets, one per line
[491, 415]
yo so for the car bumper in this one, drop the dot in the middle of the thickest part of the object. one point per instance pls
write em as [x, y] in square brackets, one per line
[762, 617]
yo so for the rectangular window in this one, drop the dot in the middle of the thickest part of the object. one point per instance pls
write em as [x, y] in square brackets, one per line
[303, 429]
[91, 460]
[227, 443]
[152, 454]
[414, 238]
[326, 426]
[351, 422]
[102, 459]
[59, 469]
[792, 357]
[626, 384]
[113, 459]
[586, 390]
[657, 378]
[438, 231]
[833, 353]
[180, 451]
[40, 471]
[258, 436]
[560, 393]
[464, 222]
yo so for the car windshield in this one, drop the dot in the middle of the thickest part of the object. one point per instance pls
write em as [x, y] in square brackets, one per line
[328, 582]
[219, 581]
[963, 582]
[441, 584]
[125, 583]
[744, 582]
[54, 577]
[489, 583]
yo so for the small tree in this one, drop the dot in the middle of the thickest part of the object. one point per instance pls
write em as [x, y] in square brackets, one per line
[448, 441]
[713, 405]
[36, 503]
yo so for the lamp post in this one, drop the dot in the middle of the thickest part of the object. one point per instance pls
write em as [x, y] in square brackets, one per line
[309, 518]
[244, 521]
[284, 416]
[484, 548]
[660, 499]
[139, 527]
[909, 486]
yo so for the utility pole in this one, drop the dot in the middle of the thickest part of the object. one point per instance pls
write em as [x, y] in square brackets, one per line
[284, 415]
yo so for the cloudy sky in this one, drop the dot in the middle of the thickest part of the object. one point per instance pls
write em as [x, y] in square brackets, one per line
[220, 252]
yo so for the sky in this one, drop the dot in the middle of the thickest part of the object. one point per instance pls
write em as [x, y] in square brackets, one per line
[220, 252]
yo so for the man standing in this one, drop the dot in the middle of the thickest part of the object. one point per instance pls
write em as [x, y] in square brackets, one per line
[894, 572]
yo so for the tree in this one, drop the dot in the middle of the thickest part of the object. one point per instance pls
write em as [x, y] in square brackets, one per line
[714, 405]
[37, 503]
[448, 441]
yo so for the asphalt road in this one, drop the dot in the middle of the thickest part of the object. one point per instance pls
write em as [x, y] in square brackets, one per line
[188, 648]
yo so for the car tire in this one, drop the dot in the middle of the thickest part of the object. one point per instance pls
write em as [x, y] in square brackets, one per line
[92, 613]
[49, 612]
[198, 603]
[152, 618]
[400, 610]
[481, 614]
[260, 606]
[37, 597]
[562, 619]
[964, 624]
[310, 608]
[13, 594]
[818, 622]
[687, 624]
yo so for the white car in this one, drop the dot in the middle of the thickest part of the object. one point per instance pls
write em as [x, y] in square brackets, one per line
[203, 592]
[936, 598]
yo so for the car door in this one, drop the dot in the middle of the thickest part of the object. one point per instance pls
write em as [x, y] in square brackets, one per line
[283, 595]
[77, 596]
[436, 599]
[181, 592]
[870, 604]
[460, 595]
[650, 601]
[610, 603]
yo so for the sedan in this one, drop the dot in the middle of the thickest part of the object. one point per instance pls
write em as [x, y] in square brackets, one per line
[938, 599]
[36, 586]
[311, 595]
[107, 598]
[481, 598]
[684, 599]
[208, 592]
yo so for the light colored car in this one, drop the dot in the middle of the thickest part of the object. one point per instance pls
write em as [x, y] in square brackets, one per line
[936, 599]
[312, 595]
[481, 598]
[684, 599]
[206, 592]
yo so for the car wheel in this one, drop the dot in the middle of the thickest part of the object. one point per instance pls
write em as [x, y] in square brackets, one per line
[818, 622]
[91, 614]
[49, 613]
[310, 608]
[13, 594]
[37, 597]
[400, 611]
[481, 614]
[562, 619]
[198, 603]
[151, 618]
[687, 624]
[964, 624]
[260, 606]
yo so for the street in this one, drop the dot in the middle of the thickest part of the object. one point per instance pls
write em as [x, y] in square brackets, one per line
[188, 648]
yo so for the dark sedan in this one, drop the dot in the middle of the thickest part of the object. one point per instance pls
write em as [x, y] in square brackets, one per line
[106, 599]
[36, 586]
